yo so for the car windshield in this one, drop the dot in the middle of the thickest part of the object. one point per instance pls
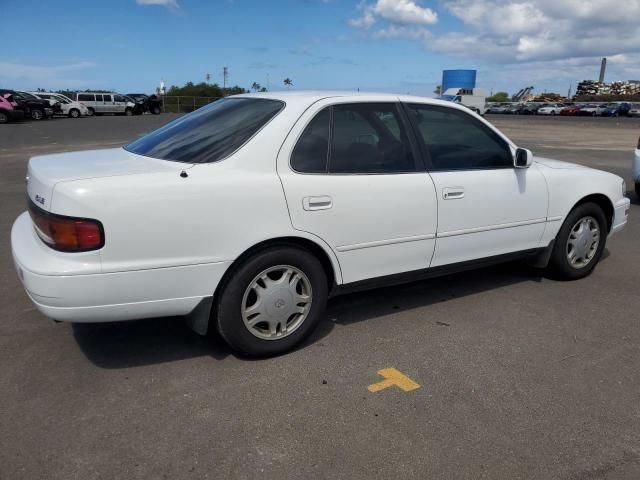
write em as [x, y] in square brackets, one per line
[210, 133]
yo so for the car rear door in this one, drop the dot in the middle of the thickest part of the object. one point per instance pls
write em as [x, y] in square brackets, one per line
[486, 207]
[352, 177]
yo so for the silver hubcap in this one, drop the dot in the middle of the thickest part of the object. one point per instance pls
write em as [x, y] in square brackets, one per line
[36, 115]
[583, 242]
[276, 302]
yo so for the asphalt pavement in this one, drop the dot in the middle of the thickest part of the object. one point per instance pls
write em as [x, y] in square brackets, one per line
[498, 373]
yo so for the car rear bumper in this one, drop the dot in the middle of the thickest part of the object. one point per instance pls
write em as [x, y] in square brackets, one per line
[63, 292]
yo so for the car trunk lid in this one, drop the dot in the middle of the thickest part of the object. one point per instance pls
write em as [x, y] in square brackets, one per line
[44, 172]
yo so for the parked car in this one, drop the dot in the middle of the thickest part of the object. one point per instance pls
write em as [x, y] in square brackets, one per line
[636, 168]
[34, 108]
[592, 110]
[9, 110]
[617, 110]
[570, 110]
[634, 111]
[53, 103]
[550, 110]
[105, 102]
[68, 107]
[149, 103]
[498, 109]
[250, 211]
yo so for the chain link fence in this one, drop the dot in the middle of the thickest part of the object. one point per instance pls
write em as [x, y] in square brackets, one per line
[182, 104]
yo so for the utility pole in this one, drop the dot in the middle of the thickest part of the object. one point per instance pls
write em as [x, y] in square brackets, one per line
[208, 77]
[225, 74]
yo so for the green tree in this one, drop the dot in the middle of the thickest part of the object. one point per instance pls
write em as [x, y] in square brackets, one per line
[438, 90]
[499, 97]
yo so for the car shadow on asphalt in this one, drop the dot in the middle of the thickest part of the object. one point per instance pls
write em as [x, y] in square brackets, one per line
[357, 307]
[160, 340]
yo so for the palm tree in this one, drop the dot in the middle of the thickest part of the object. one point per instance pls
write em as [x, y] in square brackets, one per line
[256, 86]
[288, 83]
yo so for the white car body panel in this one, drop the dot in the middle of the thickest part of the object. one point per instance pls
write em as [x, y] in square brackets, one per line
[170, 238]
[502, 211]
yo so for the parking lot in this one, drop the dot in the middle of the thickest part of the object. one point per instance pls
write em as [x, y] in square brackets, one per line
[518, 376]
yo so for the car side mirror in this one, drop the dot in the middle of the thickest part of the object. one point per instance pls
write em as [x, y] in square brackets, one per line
[523, 158]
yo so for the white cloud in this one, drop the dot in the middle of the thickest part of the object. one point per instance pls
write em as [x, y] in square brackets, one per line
[170, 4]
[395, 12]
[19, 75]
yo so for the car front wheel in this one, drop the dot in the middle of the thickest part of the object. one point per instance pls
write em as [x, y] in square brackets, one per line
[272, 301]
[74, 113]
[580, 242]
[37, 114]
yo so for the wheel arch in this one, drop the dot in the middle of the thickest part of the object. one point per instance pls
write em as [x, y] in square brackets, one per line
[603, 202]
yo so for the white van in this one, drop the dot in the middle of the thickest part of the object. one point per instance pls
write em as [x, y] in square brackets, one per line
[67, 106]
[99, 103]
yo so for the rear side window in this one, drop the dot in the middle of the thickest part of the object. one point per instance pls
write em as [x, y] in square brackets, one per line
[107, 98]
[457, 141]
[85, 97]
[359, 138]
[311, 154]
[210, 133]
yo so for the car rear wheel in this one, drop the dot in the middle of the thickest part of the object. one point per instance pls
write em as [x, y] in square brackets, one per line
[128, 112]
[74, 113]
[272, 301]
[37, 114]
[580, 242]
[4, 118]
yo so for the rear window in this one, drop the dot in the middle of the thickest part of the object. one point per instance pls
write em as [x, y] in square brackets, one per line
[210, 133]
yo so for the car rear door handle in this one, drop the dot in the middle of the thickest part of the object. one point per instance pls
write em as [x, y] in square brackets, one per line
[453, 193]
[323, 202]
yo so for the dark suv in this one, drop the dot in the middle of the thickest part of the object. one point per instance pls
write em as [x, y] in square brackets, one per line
[146, 103]
[34, 107]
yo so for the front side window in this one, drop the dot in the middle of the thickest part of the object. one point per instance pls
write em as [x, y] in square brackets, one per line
[209, 134]
[457, 141]
[359, 138]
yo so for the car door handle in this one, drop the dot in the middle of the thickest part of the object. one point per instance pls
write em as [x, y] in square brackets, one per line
[452, 193]
[323, 202]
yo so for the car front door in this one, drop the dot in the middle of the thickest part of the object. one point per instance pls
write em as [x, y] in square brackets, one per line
[120, 103]
[486, 207]
[352, 177]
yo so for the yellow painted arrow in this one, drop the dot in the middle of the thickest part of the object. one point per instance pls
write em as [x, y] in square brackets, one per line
[393, 377]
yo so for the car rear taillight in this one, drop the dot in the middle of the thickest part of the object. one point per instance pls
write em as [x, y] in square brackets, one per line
[67, 234]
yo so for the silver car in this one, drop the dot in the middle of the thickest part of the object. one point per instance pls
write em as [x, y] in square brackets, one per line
[99, 103]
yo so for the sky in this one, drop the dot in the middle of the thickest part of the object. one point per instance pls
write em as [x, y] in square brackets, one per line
[373, 45]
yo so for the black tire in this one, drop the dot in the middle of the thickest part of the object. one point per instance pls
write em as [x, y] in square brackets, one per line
[37, 114]
[74, 113]
[155, 110]
[128, 112]
[4, 118]
[559, 264]
[637, 188]
[91, 112]
[228, 315]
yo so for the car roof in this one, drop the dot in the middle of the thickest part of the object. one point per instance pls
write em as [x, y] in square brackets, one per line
[310, 97]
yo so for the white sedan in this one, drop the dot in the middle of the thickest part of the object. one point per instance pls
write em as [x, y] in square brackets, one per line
[550, 110]
[246, 214]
